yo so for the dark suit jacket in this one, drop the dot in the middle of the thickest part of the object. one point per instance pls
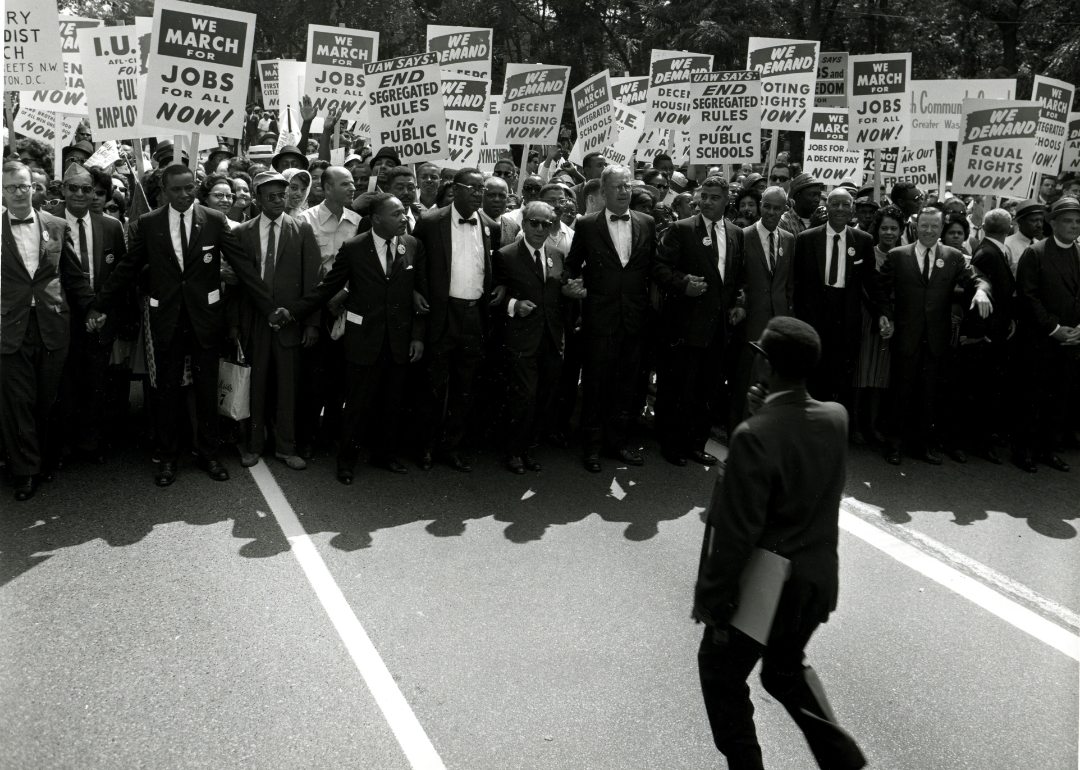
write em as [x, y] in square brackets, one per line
[58, 279]
[196, 288]
[617, 296]
[513, 266]
[768, 293]
[781, 492]
[296, 271]
[107, 250]
[860, 281]
[694, 321]
[383, 304]
[990, 260]
[1048, 289]
[917, 306]
[433, 230]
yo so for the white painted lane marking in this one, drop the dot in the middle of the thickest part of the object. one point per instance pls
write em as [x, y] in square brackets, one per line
[971, 589]
[403, 722]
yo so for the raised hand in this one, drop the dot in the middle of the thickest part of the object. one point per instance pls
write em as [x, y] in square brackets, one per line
[307, 109]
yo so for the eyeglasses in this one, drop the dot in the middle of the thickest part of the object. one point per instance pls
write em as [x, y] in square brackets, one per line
[75, 189]
[276, 196]
[476, 189]
[20, 188]
[760, 350]
[113, 209]
[531, 188]
[779, 178]
[222, 196]
[662, 186]
[543, 224]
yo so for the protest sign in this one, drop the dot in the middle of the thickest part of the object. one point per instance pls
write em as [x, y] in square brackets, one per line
[268, 82]
[997, 145]
[652, 142]
[1056, 98]
[532, 104]
[406, 107]
[628, 123]
[334, 75]
[466, 50]
[890, 157]
[831, 87]
[200, 60]
[788, 79]
[877, 89]
[1071, 159]
[490, 152]
[32, 53]
[631, 92]
[936, 105]
[593, 113]
[105, 156]
[827, 156]
[465, 105]
[669, 92]
[291, 75]
[918, 166]
[725, 116]
[111, 66]
[41, 124]
[72, 98]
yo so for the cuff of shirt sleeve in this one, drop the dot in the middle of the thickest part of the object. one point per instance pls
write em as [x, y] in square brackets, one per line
[510, 307]
[1056, 327]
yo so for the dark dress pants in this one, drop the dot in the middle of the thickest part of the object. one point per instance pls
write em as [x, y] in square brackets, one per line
[455, 358]
[531, 383]
[374, 399]
[688, 394]
[612, 364]
[1044, 411]
[79, 416]
[170, 407]
[565, 400]
[321, 391]
[915, 398]
[831, 379]
[275, 375]
[29, 382]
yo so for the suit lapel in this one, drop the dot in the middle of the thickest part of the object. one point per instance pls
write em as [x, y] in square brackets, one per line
[1061, 260]
[445, 228]
[701, 232]
[10, 247]
[525, 255]
[98, 223]
[605, 233]
[198, 220]
[636, 232]
[758, 251]
[821, 249]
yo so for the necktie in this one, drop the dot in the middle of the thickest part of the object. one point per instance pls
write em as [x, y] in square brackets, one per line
[467, 222]
[389, 257]
[620, 218]
[84, 255]
[834, 267]
[183, 242]
[926, 265]
[772, 253]
[537, 265]
[271, 252]
[27, 221]
[716, 249]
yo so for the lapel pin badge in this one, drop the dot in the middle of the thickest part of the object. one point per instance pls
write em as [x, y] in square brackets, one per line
[401, 248]
[207, 258]
[108, 259]
[940, 263]
[706, 241]
[45, 235]
[851, 251]
[550, 262]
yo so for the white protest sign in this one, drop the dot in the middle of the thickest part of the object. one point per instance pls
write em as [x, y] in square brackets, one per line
[593, 113]
[936, 105]
[919, 166]
[490, 152]
[268, 82]
[652, 142]
[198, 69]
[827, 156]
[628, 123]
[532, 104]
[1056, 98]
[996, 149]
[725, 117]
[465, 105]
[406, 107]
[72, 98]
[290, 87]
[111, 66]
[669, 93]
[105, 156]
[32, 53]
[40, 124]
[632, 92]
[877, 96]
[831, 87]
[788, 76]
[334, 75]
[466, 50]
[1071, 159]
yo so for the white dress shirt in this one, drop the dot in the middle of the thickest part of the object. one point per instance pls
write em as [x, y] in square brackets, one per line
[515, 215]
[543, 269]
[380, 249]
[719, 238]
[763, 236]
[330, 231]
[174, 230]
[621, 235]
[264, 235]
[841, 266]
[73, 223]
[1015, 246]
[922, 254]
[28, 239]
[466, 257]
[562, 238]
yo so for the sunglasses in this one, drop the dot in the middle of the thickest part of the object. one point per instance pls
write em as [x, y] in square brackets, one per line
[543, 224]
[112, 209]
[778, 178]
[760, 350]
[531, 188]
[74, 189]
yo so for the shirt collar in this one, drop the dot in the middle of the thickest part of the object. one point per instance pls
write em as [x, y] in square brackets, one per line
[1063, 245]
[763, 229]
[708, 221]
[531, 250]
[176, 214]
[347, 214]
[841, 233]
[608, 214]
[264, 218]
[380, 243]
[33, 215]
[72, 218]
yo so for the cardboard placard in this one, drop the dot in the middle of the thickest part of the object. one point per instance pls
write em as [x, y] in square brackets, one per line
[725, 117]
[631, 92]
[788, 79]
[406, 107]
[669, 87]
[1056, 98]
[532, 104]
[936, 105]
[269, 83]
[72, 98]
[466, 50]
[41, 124]
[334, 71]
[1071, 159]
[878, 86]
[465, 105]
[112, 64]
[996, 149]
[831, 87]
[827, 154]
[628, 123]
[594, 113]
[32, 54]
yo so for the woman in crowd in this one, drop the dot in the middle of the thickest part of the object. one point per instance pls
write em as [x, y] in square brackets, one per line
[642, 200]
[684, 206]
[241, 187]
[664, 217]
[747, 206]
[216, 192]
[116, 208]
[299, 187]
[955, 232]
[445, 195]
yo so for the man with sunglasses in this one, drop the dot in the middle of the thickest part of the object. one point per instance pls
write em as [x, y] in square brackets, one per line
[530, 191]
[780, 176]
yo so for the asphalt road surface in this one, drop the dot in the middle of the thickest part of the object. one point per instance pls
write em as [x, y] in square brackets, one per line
[489, 621]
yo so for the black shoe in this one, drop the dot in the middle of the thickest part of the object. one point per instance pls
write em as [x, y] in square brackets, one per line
[893, 457]
[424, 463]
[456, 461]
[957, 454]
[558, 440]
[628, 456]
[345, 476]
[703, 457]
[26, 488]
[214, 468]
[515, 465]
[1024, 461]
[675, 458]
[990, 453]
[388, 463]
[165, 474]
[306, 451]
[1054, 462]
[592, 462]
[530, 462]
[932, 456]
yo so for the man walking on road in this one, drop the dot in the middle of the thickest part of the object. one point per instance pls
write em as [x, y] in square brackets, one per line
[781, 492]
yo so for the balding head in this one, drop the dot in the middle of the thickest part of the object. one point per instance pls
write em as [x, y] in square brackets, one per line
[839, 207]
[772, 207]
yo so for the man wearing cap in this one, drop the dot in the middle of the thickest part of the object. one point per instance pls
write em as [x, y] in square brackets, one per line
[1048, 295]
[286, 254]
[866, 208]
[780, 492]
[1029, 229]
[182, 244]
[218, 155]
[381, 162]
[164, 154]
[36, 260]
[79, 153]
[805, 197]
[360, 172]
[289, 157]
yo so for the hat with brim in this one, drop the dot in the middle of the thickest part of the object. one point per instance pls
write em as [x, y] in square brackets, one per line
[265, 177]
[802, 181]
[1062, 205]
[221, 149]
[351, 158]
[385, 152]
[82, 146]
[866, 200]
[290, 151]
[752, 180]
[164, 149]
[1030, 207]
[260, 152]
[849, 184]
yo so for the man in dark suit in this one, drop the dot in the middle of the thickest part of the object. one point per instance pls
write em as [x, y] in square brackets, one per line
[781, 493]
[834, 274]
[699, 267]
[285, 253]
[1048, 288]
[39, 272]
[458, 241]
[383, 333]
[531, 269]
[182, 245]
[610, 257]
[921, 278]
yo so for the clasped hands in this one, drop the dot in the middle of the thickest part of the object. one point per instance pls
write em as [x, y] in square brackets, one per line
[574, 288]
[1067, 335]
[279, 318]
[95, 321]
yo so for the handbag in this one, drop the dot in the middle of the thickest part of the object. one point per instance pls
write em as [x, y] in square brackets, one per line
[234, 386]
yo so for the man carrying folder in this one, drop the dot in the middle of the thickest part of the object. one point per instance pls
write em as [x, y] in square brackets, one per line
[780, 493]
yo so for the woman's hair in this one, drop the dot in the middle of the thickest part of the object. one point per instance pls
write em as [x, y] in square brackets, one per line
[956, 218]
[118, 199]
[209, 183]
[748, 193]
[440, 196]
[305, 181]
[892, 211]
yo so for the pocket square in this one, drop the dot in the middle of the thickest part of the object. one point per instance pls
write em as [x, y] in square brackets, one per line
[409, 267]
[857, 262]
[207, 248]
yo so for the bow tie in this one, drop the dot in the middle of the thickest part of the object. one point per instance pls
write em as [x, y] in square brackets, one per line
[467, 222]
[27, 221]
[617, 218]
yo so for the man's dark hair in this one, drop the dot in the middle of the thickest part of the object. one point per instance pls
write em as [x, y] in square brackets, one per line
[931, 210]
[589, 158]
[379, 202]
[462, 173]
[660, 157]
[397, 171]
[551, 186]
[715, 181]
[899, 192]
[651, 174]
[793, 347]
[174, 170]
[100, 178]
[592, 187]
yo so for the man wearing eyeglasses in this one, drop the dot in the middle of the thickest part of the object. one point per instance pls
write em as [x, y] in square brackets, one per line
[530, 191]
[79, 419]
[40, 273]
[182, 245]
[780, 176]
[458, 241]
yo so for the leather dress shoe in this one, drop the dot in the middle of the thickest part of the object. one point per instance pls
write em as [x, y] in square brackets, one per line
[456, 461]
[249, 459]
[592, 462]
[214, 468]
[1025, 462]
[957, 454]
[389, 464]
[703, 457]
[530, 462]
[628, 456]
[26, 488]
[893, 457]
[345, 476]
[515, 465]
[673, 457]
[424, 463]
[165, 474]
[932, 456]
[1054, 462]
[296, 462]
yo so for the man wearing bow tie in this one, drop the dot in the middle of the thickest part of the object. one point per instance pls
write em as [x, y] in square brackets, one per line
[39, 272]
[610, 257]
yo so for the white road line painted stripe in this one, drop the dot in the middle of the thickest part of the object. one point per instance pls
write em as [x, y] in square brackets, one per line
[414, 741]
[950, 577]
[986, 574]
